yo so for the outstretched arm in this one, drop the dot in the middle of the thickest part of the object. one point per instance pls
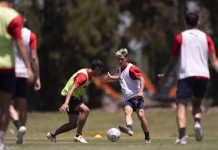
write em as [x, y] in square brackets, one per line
[112, 77]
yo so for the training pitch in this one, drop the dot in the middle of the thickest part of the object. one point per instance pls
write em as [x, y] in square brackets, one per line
[162, 127]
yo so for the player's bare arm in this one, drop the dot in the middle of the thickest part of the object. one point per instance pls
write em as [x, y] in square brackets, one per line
[214, 60]
[142, 83]
[112, 77]
[65, 106]
[35, 65]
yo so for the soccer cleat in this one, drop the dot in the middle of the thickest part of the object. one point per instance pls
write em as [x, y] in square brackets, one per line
[126, 130]
[198, 132]
[20, 135]
[148, 141]
[51, 137]
[181, 141]
[80, 139]
[3, 146]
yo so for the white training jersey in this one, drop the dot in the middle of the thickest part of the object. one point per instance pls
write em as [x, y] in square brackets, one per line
[193, 54]
[129, 86]
[20, 67]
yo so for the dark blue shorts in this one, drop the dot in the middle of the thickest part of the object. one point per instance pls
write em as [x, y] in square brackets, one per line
[189, 87]
[135, 103]
[7, 81]
[20, 89]
[74, 102]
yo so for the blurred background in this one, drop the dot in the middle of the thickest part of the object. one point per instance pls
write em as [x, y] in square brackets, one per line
[71, 33]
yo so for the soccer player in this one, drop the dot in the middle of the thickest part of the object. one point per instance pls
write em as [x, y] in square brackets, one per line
[132, 86]
[74, 104]
[191, 49]
[11, 24]
[20, 93]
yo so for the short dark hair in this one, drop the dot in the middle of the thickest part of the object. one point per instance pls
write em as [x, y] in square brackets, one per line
[97, 64]
[191, 18]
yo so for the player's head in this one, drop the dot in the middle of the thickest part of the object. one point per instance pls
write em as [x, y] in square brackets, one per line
[191, 19]
[122, 56]
[97, 66]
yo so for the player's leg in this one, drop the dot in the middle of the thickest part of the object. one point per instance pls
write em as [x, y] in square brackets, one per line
[73, 115]
[144, 124]
[5, 98]
[197, 115]
[181, 118]
[20, 96]
[14, 116]
[7, 80]
[199, 90]
[184, 95]
[72, 124]
[128, 110]
[84, 112]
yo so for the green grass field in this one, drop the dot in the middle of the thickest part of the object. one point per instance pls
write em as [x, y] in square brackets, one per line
[162, 126]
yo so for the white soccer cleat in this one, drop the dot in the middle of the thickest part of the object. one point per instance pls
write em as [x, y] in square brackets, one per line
[181, 141]
[148, 141]
[20, 135]
[198, 132]
[80, 139]
[51, 137]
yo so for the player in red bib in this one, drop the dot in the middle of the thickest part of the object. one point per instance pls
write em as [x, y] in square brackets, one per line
[132, 86]
[191, 49]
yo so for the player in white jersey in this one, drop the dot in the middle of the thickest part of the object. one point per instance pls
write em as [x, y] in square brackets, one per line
[132, 86]
[19, 115]
[191, 49]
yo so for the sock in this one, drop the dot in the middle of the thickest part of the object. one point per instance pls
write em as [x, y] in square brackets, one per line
[129, 126]
[2, 134]
[197, 120]
[182, 132]
[147, 136]
[17, 124]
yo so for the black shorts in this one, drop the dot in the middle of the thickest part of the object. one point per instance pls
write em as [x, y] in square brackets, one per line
[7, 81]
[74, 102]
[20, 89]
[189, 87]
[135, 103]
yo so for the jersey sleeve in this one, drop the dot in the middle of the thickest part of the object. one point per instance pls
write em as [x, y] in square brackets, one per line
[210, 43]
[80, 79]
[134, 72]
[177, 45]
[15, 26]
[33, 41]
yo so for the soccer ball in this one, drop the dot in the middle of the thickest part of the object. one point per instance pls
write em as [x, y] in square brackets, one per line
[113, 134]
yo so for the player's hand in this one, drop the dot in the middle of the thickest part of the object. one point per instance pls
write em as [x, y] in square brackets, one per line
[30, 76]
[64, 108]
[162, 79]
[108, 76]
[140, 95]
[37, 85]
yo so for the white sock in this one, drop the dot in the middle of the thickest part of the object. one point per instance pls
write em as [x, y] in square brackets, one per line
[2, 134]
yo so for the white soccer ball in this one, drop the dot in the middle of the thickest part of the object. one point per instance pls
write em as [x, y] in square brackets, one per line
[113, 134]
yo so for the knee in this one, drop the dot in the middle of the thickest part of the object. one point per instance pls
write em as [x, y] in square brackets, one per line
[127, 112]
